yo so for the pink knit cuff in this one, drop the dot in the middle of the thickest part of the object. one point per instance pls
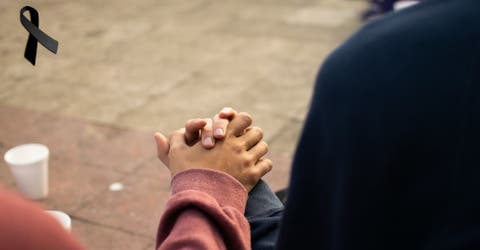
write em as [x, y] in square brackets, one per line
[221, 186]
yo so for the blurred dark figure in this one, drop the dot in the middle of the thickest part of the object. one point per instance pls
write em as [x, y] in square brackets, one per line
[380, 7]
[389, 156]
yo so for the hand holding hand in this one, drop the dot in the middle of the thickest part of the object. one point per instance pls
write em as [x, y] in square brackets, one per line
[238, 154]
[209, 130]
[196, 129]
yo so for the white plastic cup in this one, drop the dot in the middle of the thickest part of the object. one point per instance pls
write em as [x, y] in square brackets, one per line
[62, 218]
[29, 166]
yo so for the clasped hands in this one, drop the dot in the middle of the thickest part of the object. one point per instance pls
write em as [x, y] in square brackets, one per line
[226, 143]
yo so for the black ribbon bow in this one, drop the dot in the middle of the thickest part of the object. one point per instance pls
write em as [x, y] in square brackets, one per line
[36, 35]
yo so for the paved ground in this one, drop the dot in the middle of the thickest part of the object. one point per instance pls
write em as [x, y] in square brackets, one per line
[127, 68]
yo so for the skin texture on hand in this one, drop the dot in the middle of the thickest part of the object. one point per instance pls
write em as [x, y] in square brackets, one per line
[238, 154]
[197, 128]
[209, 130]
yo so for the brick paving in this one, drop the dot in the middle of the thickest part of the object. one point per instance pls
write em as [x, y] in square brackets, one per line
[126, 69]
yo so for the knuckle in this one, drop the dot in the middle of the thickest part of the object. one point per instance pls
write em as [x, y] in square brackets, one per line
[258, 130]
[208, 120]
[264, 146]
[247, 161]
[206, 133]
[189, 122]
[269, 164]
[179, 131]
[208, 123]
[207, 130]
[245, 144]
[268, 161]
[227, 113]
[245, 117]
[191, 125]
[228, 110]
[220, 122]
[251, 158]
[237, 148]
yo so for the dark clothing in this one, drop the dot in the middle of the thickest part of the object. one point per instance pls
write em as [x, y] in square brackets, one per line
[264, 211]
[389, 157]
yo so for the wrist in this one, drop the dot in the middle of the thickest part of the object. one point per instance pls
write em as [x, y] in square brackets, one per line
[224, 188]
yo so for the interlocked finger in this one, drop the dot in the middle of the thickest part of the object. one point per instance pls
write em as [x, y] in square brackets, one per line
[259, 150]
[207, 134]
[263, 166]
[239, 123]
[219, 126]
[192, 130]
[252, 136]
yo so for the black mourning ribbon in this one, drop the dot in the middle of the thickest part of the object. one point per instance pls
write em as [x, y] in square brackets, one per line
[36, 35]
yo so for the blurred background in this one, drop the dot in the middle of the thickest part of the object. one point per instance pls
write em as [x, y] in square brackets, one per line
[125, 69]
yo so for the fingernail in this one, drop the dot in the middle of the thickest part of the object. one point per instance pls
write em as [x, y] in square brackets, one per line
[208, 141]
[218, 131]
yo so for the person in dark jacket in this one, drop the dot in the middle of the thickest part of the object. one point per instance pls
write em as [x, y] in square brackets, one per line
[389, 156]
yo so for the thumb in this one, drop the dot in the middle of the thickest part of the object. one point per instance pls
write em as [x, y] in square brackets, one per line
[162, 147]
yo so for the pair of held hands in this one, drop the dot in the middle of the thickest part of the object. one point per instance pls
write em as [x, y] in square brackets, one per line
[225, 143]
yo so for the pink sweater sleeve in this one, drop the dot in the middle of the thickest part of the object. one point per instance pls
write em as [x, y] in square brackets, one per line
[205, 212]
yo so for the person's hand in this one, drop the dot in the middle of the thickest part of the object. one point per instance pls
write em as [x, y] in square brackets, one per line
[239, 154]
[208, 130]
[196, 129]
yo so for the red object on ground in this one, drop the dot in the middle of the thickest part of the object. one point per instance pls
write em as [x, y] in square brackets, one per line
[24, 225]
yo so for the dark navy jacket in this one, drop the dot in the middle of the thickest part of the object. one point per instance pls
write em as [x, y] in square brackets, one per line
[389, 157]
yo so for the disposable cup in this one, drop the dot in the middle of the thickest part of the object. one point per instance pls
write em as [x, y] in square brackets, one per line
[29, 165]
[62, 218]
